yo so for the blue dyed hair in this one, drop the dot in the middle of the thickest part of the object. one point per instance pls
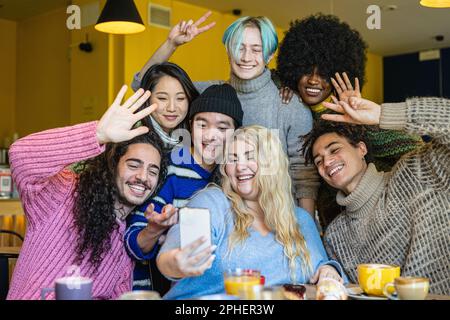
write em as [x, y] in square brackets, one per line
[232, 38]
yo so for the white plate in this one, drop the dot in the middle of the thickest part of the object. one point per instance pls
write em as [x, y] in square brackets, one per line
[358, 294]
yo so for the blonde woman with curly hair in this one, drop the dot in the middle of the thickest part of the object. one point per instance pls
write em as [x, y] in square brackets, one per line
[254, 224]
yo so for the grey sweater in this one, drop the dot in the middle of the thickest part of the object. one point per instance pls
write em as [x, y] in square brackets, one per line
[402, 217]
[262, 105]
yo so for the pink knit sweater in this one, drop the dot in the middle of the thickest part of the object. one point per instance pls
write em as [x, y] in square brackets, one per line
[46, 186]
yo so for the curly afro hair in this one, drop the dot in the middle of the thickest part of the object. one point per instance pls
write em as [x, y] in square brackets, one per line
[351, 132]
[321, 41]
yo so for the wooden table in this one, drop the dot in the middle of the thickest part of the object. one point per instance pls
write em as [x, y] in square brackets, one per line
[311, 293]
[11, 207]
[12, 218]
[10, 252]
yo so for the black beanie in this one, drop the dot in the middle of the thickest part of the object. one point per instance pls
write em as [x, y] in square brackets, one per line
[218, 98]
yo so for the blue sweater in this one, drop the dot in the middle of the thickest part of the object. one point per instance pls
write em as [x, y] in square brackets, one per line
[184, 178]
[257, 252]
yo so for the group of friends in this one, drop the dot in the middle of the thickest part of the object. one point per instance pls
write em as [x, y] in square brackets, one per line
[263, 151]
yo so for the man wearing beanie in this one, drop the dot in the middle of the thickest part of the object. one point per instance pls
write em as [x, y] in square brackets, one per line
[214, 115]
[221, 99]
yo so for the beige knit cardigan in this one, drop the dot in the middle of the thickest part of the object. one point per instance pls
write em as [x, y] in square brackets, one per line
[402, 217]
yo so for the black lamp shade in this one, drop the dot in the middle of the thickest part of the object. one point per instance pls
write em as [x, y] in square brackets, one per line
[120, 17]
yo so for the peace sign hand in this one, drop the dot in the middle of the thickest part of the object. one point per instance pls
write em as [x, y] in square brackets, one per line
[117, 122]
[185, 31]
[357, 111]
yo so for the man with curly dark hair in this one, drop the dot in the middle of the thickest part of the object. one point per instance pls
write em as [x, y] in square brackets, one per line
[401, 217]
[313, 51]
[76, 221]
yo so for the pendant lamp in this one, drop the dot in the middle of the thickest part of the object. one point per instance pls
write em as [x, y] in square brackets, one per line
[120, 17]
[435, 3]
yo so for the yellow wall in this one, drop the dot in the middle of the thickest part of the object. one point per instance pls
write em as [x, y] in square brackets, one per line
[373, 89]
[97, 77]
[8, 31]
[203, 59]
[43, 89]
[116, 58]
[61, 85]
[89, 73]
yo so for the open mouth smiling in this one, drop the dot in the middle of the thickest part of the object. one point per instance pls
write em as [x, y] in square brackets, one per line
[245, 177]
[334, 170]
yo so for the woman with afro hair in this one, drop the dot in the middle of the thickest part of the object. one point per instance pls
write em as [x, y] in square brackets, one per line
[313, 51]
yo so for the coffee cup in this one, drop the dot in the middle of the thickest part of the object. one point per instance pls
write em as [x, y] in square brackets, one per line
[408, 288]
[372, 277]
[70, 288]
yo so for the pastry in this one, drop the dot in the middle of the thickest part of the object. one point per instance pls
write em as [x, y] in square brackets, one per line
[330, 289]
[294, 291]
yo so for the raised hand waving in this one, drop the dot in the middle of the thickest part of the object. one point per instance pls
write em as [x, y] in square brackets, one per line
[117, 122]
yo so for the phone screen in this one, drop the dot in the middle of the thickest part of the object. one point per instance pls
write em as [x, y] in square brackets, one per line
[195, 223]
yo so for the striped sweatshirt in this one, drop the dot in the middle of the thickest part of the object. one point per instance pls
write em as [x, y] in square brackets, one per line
[184, 178]
[39, 168]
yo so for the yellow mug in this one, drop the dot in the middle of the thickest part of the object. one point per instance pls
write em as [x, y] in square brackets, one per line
[373, 277]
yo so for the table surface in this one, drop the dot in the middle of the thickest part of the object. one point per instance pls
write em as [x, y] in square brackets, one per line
[311, 293]
[12, 218]
[10, 250]
[11, 207]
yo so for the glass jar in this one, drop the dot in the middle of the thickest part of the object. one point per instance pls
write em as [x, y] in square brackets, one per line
[5, 182]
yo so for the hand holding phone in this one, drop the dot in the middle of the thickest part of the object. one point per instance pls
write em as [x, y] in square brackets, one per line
[195, 255]
[194, 224]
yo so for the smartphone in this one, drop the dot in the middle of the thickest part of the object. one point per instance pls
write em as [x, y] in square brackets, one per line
[195, 223]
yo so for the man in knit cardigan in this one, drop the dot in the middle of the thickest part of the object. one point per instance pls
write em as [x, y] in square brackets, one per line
[400, 217]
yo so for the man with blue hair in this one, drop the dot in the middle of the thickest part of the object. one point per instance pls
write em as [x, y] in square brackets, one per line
[251, 43]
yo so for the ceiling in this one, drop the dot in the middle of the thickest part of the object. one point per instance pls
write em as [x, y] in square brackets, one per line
[408, 29]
